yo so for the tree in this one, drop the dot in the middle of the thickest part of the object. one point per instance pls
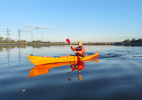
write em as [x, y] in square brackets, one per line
[126, 41]
[139, 40]
[12, 41]
[7, 40]
[133, 40]
[1, 39]
[38, 41]
[23, 41]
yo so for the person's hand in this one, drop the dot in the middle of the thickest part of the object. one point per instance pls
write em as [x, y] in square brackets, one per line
[71, 45]
[75, 51]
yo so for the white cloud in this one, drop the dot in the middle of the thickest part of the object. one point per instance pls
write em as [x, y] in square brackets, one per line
[26, 30]
[37, 27]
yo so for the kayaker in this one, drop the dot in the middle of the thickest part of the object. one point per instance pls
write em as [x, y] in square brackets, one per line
[80, 51]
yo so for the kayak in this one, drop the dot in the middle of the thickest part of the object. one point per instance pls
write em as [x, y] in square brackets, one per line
[43, 69]
[39, 60]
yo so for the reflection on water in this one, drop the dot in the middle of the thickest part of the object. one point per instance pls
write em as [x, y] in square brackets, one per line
[8, 49]
[78, 66]
[19, 54]
[43, 69]
[1, 49]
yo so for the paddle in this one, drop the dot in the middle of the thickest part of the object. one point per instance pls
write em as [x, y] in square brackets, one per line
[68, 40]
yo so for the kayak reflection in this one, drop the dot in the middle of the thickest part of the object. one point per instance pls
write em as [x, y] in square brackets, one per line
[43, 69]
[79, 66]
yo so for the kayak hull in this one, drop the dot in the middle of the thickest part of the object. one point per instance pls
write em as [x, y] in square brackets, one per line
[38, 60]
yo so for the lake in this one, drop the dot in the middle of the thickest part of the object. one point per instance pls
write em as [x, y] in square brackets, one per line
[115, 75]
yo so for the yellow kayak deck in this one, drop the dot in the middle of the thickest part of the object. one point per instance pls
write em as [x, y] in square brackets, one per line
[38, 60]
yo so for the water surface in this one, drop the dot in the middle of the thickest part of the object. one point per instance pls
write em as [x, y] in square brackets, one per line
[117, 75]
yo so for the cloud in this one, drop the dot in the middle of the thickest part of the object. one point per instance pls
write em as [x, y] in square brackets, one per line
[37, 27]
[26, 30]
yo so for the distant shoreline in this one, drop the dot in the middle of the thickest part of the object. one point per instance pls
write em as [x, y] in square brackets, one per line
[71, 43]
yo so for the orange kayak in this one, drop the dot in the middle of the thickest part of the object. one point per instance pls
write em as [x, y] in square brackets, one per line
[38, 60]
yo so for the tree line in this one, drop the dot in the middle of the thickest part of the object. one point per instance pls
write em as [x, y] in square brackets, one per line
[132, 41]
[9, 40]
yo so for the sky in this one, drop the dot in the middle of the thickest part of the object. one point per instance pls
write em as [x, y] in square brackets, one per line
[85, 20]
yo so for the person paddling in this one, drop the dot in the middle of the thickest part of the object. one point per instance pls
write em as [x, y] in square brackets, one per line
[80, 51]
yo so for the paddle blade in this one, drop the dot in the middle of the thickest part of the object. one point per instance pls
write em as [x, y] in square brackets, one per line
[68, 40]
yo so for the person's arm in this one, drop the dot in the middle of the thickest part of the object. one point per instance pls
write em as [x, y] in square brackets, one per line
[73, 49]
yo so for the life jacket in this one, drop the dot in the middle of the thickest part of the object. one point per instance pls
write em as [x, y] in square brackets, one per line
[78, 49]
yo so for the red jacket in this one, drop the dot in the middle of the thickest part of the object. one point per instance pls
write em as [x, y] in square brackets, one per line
[80, 50]
[80, 65]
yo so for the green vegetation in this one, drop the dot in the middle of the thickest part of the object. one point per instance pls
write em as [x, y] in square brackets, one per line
[132, 41]
[38, 41]
[9, 40]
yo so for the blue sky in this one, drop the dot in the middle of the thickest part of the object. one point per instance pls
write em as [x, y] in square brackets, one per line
[86, 20]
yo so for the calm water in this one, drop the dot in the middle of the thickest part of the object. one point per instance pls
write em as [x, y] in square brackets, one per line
[117, 76]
